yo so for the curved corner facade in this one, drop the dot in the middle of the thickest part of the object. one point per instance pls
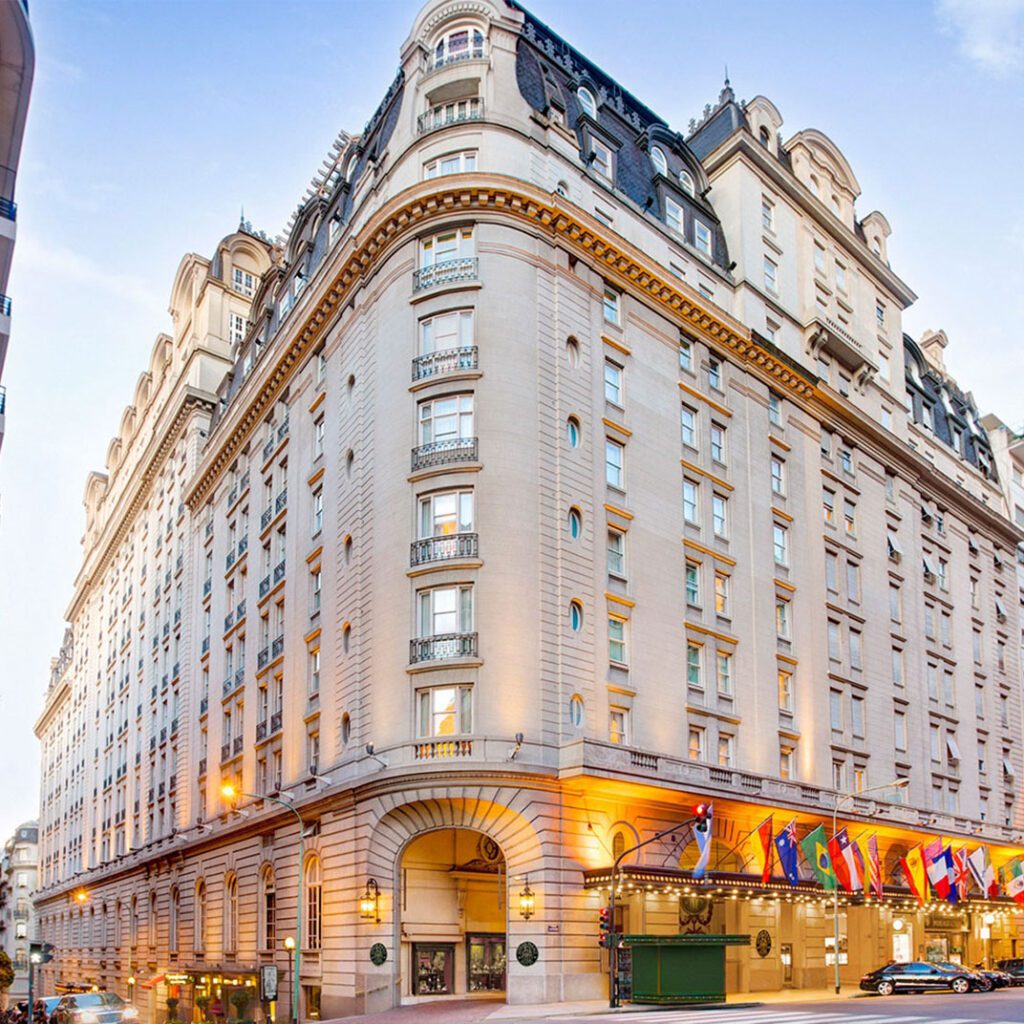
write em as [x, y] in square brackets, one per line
[559, 472]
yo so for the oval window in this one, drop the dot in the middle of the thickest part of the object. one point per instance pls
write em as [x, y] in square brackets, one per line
[576, 711]
[346, 728]
[572, 432]
[659, 160]
[575, 523]
[572, 349]
[575, 616]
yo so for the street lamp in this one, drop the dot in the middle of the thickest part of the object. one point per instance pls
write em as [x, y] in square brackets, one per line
[840, 798]
[230, 793]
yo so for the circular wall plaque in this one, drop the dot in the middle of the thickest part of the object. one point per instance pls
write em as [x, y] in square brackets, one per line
[378, 953]
[763, 943]
[527, 953]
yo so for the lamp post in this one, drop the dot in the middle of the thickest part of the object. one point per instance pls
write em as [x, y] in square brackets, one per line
[230, 793]
[840, 798]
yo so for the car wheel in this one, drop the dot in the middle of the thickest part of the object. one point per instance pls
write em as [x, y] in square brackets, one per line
[885, 988]
[960, 985]
[986, 984]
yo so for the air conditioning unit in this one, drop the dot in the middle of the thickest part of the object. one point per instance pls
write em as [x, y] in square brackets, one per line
[929, 577]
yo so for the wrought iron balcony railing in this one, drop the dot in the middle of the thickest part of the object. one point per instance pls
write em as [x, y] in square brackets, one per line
[440, 453]
[442, 646]
[440, 549]
[449, 360]
[465, 268]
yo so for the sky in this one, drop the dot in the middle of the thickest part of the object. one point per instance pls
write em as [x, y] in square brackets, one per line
[153, 124]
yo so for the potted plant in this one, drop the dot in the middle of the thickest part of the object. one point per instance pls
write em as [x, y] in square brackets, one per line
[172, 1009]
[240, 1000]
[203, 1002]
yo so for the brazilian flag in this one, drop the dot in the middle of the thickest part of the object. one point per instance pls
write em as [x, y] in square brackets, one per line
[815, 848]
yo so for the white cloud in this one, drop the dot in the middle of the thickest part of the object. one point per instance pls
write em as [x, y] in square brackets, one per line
[989, 32]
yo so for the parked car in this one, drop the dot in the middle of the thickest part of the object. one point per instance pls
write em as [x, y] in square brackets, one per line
[1014, 968]
[999, 979]
[920, 976]
[93, 1008]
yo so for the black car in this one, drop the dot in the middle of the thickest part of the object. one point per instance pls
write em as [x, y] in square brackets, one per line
[919, 976]
[1014, 968]
[93, 1008]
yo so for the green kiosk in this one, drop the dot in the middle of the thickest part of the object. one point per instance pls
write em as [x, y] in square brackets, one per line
[674, 968]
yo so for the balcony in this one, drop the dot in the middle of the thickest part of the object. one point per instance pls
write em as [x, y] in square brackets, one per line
[449, 360]
[225, 751]
[240, 611]
[261, 731]
[441, 647]
[207, 587]
[202, 766]
[237, 744]
[442, 549]
[442, 453]
[434, 62]
[204, 705]
[239, 675]
[229, 685]
[265, 516]
[465, 268]
[277, 647]
[455, 112]
[823, 334]
[430, 750]
[8, 209]
[281, 501]
[263, 657]
[229, 621]
[279, 571]
[275, 722]
[265, 586]
[230, 560]
[205, 644]
[5, 305]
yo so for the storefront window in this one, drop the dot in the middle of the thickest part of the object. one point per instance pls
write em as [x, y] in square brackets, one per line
[432, 968]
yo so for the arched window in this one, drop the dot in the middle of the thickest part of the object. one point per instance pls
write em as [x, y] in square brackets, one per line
[618, 844]
[151, 921]
[575, 521]
[173, 917]
[133, 922]
[199, 936]
[104, 927]
[230, 912]
[764, 136]
[314, 902]
[93, 936]
[587, 101]
[572, 432]
[463, 42]
[659, 160]
[686, 180]
[576, 711]
[267, 910]
[575, 616]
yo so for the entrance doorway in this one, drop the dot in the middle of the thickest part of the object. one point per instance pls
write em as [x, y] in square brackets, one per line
[453, 915]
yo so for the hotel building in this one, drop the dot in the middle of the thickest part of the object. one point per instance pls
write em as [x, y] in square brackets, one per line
[558, 471]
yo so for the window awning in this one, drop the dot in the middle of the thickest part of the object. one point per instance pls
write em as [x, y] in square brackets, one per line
[1008, 768]
[893, 543]
[952, 748]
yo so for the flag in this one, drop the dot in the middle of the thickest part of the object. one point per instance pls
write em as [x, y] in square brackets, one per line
[935, 865]
[980, 864]
[947, 855]
[764, 848]
[916, 874]
[815, 847]
[1013, 879]
[703, 846]
[875, 867]
[846, 861]
[961, 874]
[785, 847]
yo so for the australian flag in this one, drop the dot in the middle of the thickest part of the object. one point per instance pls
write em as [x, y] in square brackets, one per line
[785, 846]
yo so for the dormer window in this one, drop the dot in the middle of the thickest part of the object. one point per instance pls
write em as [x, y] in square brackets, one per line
[686, 181]
[587, 101]
[764, 137]
[601, 159]
[673, 215]
[464, 42]
[659, 160]
[243, 282]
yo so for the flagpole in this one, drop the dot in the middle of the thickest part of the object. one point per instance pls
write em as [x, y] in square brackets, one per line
[743, 838]
[840, 797]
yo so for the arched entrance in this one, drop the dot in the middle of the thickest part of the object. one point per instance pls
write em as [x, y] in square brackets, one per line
[453, 916]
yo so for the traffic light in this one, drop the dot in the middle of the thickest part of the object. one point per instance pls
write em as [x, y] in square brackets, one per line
[40, 952]
[606, 927]
[701, 814]
[48, 951]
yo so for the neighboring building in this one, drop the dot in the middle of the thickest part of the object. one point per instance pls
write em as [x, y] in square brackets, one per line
[490, 539]
[17, 66]
[19, 867]
[1008, 450]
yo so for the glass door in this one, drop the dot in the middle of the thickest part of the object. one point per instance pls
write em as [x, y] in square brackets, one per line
[486, 963]
[432, 965]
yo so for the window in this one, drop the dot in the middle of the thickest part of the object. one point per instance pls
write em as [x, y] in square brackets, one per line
[231, 913]
[933, 682]
[686, 181]
[267, 910]
[695, 747]
[725, 751]
[723, 664]
[690, 497]
[688, 420]
[236, 330]
[835, 643]
[782, 618]
[659, 160]
[785, 763]
[785, 679]
[444, 251]
[857, 716]
[447, 332]
[314, 902]
[454, 163]
[314, 677]
[780, 544]
[835, 710]
[702, 237]
[718, 443]
[601, 159]
[199, 932]
[721, 594]
[318, 438]
[771, 275]
[318, 511]
[588, 104]
[243, 282]
[718, 515]
[613, 383]
[899, 724]
[617, 553]
[685, 355]
[446, 514]
[445, 711]
[715, 374]
[316, 585]
[446, 419]
[852, 583]
[819, 257]
[856, 656]
[840, 277]
[884, 366]
[767, 214]
[828, 507]
[897, 667]
[880, 316]
[618, 726]
[611, 305]
[617, 640]
[575, 616]
[693, 584]
[778, 470]
[846, 460]
[849, 517]
[575, 522]
[895, 603]
[694, 676]
[614, 459]
[446, 610]
[935, 742]
[774, 409]
[464, 42]
[674, 215]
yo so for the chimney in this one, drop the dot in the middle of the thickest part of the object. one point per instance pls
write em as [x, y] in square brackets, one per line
[932, 345]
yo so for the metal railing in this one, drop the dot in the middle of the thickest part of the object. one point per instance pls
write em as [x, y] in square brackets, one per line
[440, 549]
[429, 750]
[450, 113]
[225, 751]
[281, 500]
[465, 268]
[275, 722]
[265, 586]
[472, 53]
[261, 731]
[8, 208]
[279, 571]
[277, 646]
[439, 453]
[238, 743]
[448, 360]
[444, 645]
[5, 305]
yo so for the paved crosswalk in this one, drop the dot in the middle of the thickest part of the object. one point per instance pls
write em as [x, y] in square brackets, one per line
[780, 1016]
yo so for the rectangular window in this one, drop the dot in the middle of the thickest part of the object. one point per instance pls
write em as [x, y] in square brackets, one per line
[318, 438]
[696, 743]
[849, 517]
[613, 383]
[611, 305]
[618, 726]
[702, 237]
[447, 332]
[725, 751]
[840, 277]
[314, 678]
[445, 611]
[614, 462]
[880, 316]
[721, 594]
[935, 742]
[846, 460]
[884, 367]
[443, 252]
[694, 675]
[237, 328]
[899, 723]
[715, 374]
[693, 584]
[445, 711]
[835, 645]
[932, 675]
[785, 763]
[446, 514]
[674, 215]
[780, 544]
[617, 640]
[785, 690]
[316, 581]
[767, 214]
[688, 421]
[685, 355]
[856, 656]
[771, 276]
[852, 582]
[835, 710]
[774, 409]
[617, 553]
[718, 515]
[895, 603]
[243, 282]
[454, 163]
[446, 419]
[602, 159]
[690, 497]
[723, 663]
[828, 506]
[718, 443]
[782, 618]
[318, 511]
[778, 469]
[831, 570]
[819, 257]
[857, 716]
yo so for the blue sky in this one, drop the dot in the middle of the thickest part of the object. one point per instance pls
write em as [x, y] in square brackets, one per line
[152, 124]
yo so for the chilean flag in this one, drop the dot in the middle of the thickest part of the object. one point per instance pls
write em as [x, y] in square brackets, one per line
[847, 861]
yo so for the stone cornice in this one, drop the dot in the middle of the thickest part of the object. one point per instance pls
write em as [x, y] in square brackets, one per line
[623, 264]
